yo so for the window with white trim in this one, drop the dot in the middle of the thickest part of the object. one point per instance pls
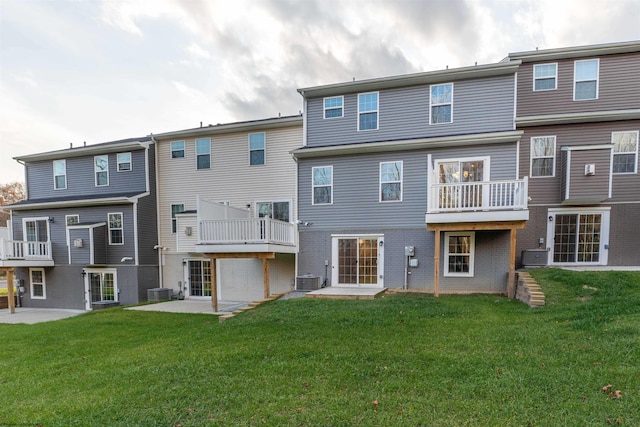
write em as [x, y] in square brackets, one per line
[101, 168]
[203, 153]
[368, 111]
[585, 79]
[60, 174]
[578, 236]
[37, 283]
[459, 253]
[257, 148]
[124, 162]
[274, 210]
[71, 220]
[391, 181]
[333, 107]
[177, 150]
[625, 151]
[175, 209]
[543, 156]
[441, 104]
[545, 76]
[116, 230]
[322, 185]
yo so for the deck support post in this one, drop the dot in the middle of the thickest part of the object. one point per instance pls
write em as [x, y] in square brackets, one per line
[436, 264]
[10, 294]
[511, 285]
[265, 274]
[214, 283]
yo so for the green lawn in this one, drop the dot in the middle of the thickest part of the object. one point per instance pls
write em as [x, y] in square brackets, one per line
[405, 359]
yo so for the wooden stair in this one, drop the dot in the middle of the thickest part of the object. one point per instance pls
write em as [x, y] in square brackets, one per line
[528, 291]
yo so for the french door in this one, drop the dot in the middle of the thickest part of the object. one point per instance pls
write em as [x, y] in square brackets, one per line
[100, 286]
[465, 172]
[578, 237]
[199, 278]
[36, 233]
[357, 261]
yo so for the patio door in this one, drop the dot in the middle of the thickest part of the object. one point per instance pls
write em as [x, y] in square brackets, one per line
[198, 274]
[36, 232]
[578, 237]
[100, 286]
[357, 261]
[462, 171]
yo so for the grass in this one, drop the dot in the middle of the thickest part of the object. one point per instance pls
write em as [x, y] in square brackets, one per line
[405, 359]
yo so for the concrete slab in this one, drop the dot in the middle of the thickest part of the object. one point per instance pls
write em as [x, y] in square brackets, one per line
[346, 293]
[30, 316]
[191, 306]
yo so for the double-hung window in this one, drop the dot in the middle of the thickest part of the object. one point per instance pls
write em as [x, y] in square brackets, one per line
[391, 181]
[203, 153]
[545, 76]
[322, 185]
[333, 107]
[60, 174]
[175, 209]
[368, 111]
[37, 282]
[625, 151]
[543, 156]
[71, 220]
[441, 103]
[459, 252]
[101, 168]
[116, 230]
[124, 162]
[257, 148]
[177, 150]
[585, 79]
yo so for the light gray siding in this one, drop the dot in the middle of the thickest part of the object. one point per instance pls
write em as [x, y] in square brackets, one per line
[479, 105]
[619, 88]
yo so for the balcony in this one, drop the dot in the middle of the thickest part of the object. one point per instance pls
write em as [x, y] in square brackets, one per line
[246, 235]
[17, 253]
[478, 202]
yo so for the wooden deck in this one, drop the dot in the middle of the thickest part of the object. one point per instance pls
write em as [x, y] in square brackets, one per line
[346, 293]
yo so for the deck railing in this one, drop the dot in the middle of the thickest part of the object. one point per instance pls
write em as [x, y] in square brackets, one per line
[249, 230]
[23, 250]
[478, 196]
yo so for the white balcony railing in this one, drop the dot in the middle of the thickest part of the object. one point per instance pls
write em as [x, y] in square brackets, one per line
[25, 251]
[249, 230]
[478, 196]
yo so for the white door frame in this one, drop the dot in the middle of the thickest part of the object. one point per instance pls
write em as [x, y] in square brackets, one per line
[187, 278]
[335, 262]
[87, 284]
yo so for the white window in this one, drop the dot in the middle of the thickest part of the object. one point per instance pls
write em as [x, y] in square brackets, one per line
[333, 107]
[543, 156]
[175, 209]
[203, 153]
[368, 111]
[471, 173]
[274, 210]
[124, 162]
[578, 236]
[585, 79]
[177, 150]
[322, 185]
[37, 282]
[60, 174]
[391, 181]
[103, 286]
[257, 148]
[101, 168]
[71, 220]
[116, 230]
[625, 151]
[36, 233]
[441, 102]
[545, 77]
[459, 252]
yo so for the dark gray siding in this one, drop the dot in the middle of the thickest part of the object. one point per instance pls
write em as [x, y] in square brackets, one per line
[81, 179]
[101, 245]
[626, 187]
[80, 255]
[619, 88]
[588, 187]
[148, 219]
[479, 105]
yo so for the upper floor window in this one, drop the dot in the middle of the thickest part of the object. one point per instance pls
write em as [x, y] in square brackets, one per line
[60, 174]
[545, 76]
[625, 151]
[543, 156]
[203, 153]
[257, 148]
[175, 209]
[101, 167]
[333, 107]
[585, 79]
[441, 101]
[368, 111]
[124, 162]
[274, 210]
[177, 150]
[116, 229]
[322, 185]
[391, 181]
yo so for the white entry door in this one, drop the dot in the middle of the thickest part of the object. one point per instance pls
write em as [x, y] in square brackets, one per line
[100, 286]
[357, 261]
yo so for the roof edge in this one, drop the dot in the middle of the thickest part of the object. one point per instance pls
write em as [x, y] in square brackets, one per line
[576, 51]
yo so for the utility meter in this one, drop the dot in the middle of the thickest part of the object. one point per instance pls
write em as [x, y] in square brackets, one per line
[409, 251]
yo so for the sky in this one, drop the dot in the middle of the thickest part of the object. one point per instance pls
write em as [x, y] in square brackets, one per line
[76, 71]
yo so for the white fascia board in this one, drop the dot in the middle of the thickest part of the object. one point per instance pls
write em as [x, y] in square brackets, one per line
[569, 118]
[85, 151]
[576, 51]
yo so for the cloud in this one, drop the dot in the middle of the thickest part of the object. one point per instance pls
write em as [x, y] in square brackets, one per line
[198, 51]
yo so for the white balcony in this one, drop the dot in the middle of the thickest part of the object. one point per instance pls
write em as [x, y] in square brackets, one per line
[246, 235]
[19, 253]
[478, 201]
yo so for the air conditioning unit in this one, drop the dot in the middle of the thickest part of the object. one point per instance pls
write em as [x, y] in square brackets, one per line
[534, 257]
[159, 294]
[308, 282]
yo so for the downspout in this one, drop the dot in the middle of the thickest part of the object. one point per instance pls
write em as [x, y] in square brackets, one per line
[135, 231]
[157, 193]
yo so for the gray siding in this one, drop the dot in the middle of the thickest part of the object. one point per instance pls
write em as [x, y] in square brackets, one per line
[81, 179]
[587, 187]
[619, 88]
[80, 255]
[479, 105]
[148, 219]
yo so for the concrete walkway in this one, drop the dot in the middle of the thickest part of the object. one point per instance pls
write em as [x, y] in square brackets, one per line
[191, 306]
[30, 316]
